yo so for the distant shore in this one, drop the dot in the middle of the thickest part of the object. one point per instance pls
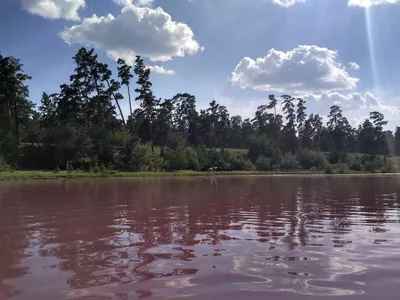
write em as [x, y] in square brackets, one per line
[25, 175]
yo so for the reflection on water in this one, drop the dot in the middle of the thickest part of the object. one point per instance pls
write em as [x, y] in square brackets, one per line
[201, 238]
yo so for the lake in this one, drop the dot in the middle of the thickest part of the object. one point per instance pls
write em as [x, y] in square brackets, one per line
[201, 238]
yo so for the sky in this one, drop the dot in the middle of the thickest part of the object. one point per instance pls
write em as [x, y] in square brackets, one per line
[237, 52]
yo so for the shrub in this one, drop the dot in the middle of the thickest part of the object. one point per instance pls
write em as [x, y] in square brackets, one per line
[68, 167]
[176, 160]
[143, 159]
[329, 169]
[192, 159]
[263, 163]
[369, 166]
[237, 163]
[289, 162]
[342, 168]
[390, 166]
[3, 164]
[372, 165]
[249, 166]
[259, 145]
[311, 158]
[202, 157]
[355, 164]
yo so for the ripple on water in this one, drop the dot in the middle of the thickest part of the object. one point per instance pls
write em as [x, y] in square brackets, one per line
[207, 237]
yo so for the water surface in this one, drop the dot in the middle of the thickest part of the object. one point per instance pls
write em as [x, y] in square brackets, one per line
[201, 238]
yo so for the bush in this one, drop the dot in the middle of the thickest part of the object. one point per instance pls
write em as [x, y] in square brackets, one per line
[311, 158]
[329, 169]
[342, 168]
[263, 163]
[176, 160]
[260, 145]
[355, 164]
[372, 165]
[369, 166]
[289, 162]
[249, 166]
[3, 164]
[192, 159]
[390, 166]
[237, 163]
[202, 157]
[143, 159]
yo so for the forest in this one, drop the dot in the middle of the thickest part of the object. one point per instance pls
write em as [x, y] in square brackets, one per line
[82, 127]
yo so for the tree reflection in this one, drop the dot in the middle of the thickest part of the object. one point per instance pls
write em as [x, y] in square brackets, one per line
[102, 233]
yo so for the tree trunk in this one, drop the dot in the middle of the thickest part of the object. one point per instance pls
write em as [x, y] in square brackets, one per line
[130, 106]
[119, 107]
[16, 117]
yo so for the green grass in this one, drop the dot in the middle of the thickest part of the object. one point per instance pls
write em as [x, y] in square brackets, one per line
[9, 175]
[22, 175]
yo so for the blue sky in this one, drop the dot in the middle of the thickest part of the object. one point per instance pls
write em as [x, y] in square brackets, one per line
[238, 51]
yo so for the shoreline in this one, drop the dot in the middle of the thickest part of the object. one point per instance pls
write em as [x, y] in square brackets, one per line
[49, 175]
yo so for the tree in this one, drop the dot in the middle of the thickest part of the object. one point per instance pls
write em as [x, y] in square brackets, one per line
[289, 130]
[186, 116]
[15, 108]
[164, 123]
[146, 98]
[124, 73]
[338, 129]
[378, 120]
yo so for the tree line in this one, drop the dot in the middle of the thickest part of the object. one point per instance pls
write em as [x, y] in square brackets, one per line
[83, 127]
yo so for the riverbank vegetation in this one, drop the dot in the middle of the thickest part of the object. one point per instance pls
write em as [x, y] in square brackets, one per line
[82, 129]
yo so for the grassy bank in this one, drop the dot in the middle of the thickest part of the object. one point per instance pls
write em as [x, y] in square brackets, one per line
[22, 175]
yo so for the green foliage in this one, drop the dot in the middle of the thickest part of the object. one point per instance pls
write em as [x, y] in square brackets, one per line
[249, 166]
[355, 163]
[192, 159]
[289, 163]
[82, 127]
[3, 164]
[341, 168]
[263, 163]
[391, 165]
[336, 157]
[143, 158]
[311, 158]
[176, 160]
[258, 145]
[329, 169]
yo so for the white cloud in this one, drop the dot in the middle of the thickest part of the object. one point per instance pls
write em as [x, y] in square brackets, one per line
[359, 3]
[147, 3]
[54, 9]
[356, 106]
[305, 69]
[368, 3]
[354, 65]
[141, 31]
[286, 3]
[161, 70]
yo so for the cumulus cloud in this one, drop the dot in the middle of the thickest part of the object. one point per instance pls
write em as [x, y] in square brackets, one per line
[359, 3]
[148, 3]
[54, 9]
[137, 30]
[161, 70]
[354, 65]
[356, 106]
[306, 69]
[286, 3]
[368, 3]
